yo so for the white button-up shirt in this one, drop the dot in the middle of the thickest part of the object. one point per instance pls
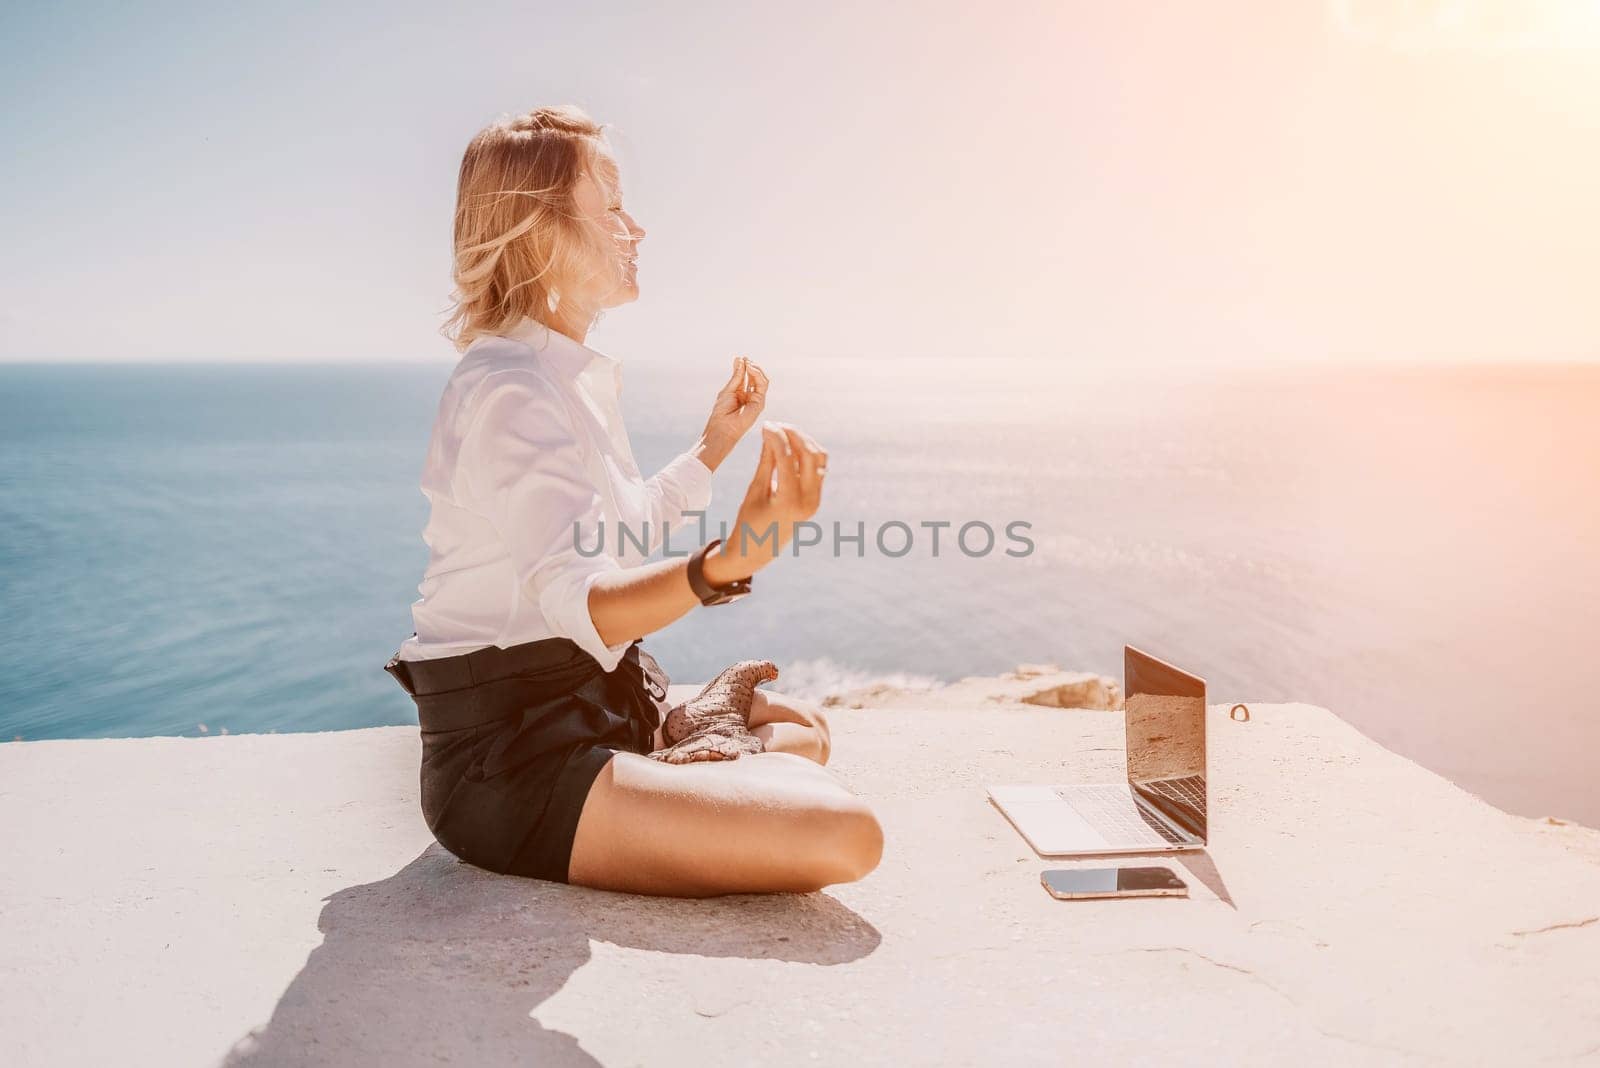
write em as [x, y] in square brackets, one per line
[529, 441]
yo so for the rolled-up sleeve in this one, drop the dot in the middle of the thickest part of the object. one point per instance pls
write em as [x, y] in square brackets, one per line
[682, 485]
[524, 465]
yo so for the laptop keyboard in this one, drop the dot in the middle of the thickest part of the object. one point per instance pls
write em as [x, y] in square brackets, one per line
[1187, 795]
[1112, 811]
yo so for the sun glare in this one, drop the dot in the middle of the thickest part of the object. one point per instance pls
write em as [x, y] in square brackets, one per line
[1487, 25]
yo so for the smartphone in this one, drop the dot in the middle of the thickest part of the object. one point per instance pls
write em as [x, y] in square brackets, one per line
[1070, 884]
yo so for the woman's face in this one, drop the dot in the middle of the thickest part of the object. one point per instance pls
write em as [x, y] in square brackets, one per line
[599, 198]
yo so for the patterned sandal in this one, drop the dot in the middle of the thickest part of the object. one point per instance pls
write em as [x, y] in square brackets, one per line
[715, 723]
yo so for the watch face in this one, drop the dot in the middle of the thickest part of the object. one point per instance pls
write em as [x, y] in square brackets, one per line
[725, 597]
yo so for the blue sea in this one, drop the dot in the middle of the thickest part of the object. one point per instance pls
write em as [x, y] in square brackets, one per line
[201, 549]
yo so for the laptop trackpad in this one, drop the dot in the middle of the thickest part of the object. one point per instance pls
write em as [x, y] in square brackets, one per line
[1051, 825]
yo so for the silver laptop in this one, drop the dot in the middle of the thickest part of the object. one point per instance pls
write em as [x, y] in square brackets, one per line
[1162, 806]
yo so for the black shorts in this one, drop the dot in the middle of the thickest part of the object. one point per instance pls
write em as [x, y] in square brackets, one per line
[513, 738]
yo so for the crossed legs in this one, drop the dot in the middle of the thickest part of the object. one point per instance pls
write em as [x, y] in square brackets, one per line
[772, 821]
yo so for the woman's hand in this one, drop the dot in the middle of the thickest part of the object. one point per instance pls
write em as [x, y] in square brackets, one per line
[738, 405]
[786, 489]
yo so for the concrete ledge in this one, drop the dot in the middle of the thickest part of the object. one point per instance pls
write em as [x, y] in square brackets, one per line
[276, 899]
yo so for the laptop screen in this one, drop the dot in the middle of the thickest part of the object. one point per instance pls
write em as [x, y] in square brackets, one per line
[1166, 738]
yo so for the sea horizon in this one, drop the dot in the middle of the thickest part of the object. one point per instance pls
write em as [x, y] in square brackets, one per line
[237, 544]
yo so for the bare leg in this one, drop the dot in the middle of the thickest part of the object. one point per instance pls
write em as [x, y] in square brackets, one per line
[762, 823]
[785, 725]
[790, 725]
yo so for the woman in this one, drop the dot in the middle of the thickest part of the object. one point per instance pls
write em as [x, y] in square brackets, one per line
[537, 704]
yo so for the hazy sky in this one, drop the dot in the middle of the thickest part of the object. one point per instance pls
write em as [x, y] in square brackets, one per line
[1095, 181]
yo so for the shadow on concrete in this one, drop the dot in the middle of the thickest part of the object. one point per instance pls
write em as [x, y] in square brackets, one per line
[445, 962]
[1202, 867]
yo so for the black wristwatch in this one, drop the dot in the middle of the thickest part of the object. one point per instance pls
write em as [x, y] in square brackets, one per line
[708, 593]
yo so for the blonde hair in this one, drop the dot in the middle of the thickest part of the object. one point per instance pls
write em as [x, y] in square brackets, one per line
[521, 246]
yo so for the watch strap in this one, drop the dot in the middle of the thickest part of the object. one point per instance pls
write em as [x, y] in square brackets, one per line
[708, 593]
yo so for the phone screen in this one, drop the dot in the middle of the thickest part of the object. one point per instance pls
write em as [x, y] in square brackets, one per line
[1110, 882]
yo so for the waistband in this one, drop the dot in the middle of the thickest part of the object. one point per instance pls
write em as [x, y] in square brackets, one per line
[449, 693]
[556, 662]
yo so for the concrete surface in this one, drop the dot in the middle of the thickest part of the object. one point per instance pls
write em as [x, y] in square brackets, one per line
[276, 899]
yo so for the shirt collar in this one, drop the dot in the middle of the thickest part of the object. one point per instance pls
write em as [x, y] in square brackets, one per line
[558, 350]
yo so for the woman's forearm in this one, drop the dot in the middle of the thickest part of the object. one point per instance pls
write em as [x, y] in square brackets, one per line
[636, 601]
[711, 450]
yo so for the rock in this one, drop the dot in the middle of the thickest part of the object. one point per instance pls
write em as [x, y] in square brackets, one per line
[1029, 684]
[1085, 691]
